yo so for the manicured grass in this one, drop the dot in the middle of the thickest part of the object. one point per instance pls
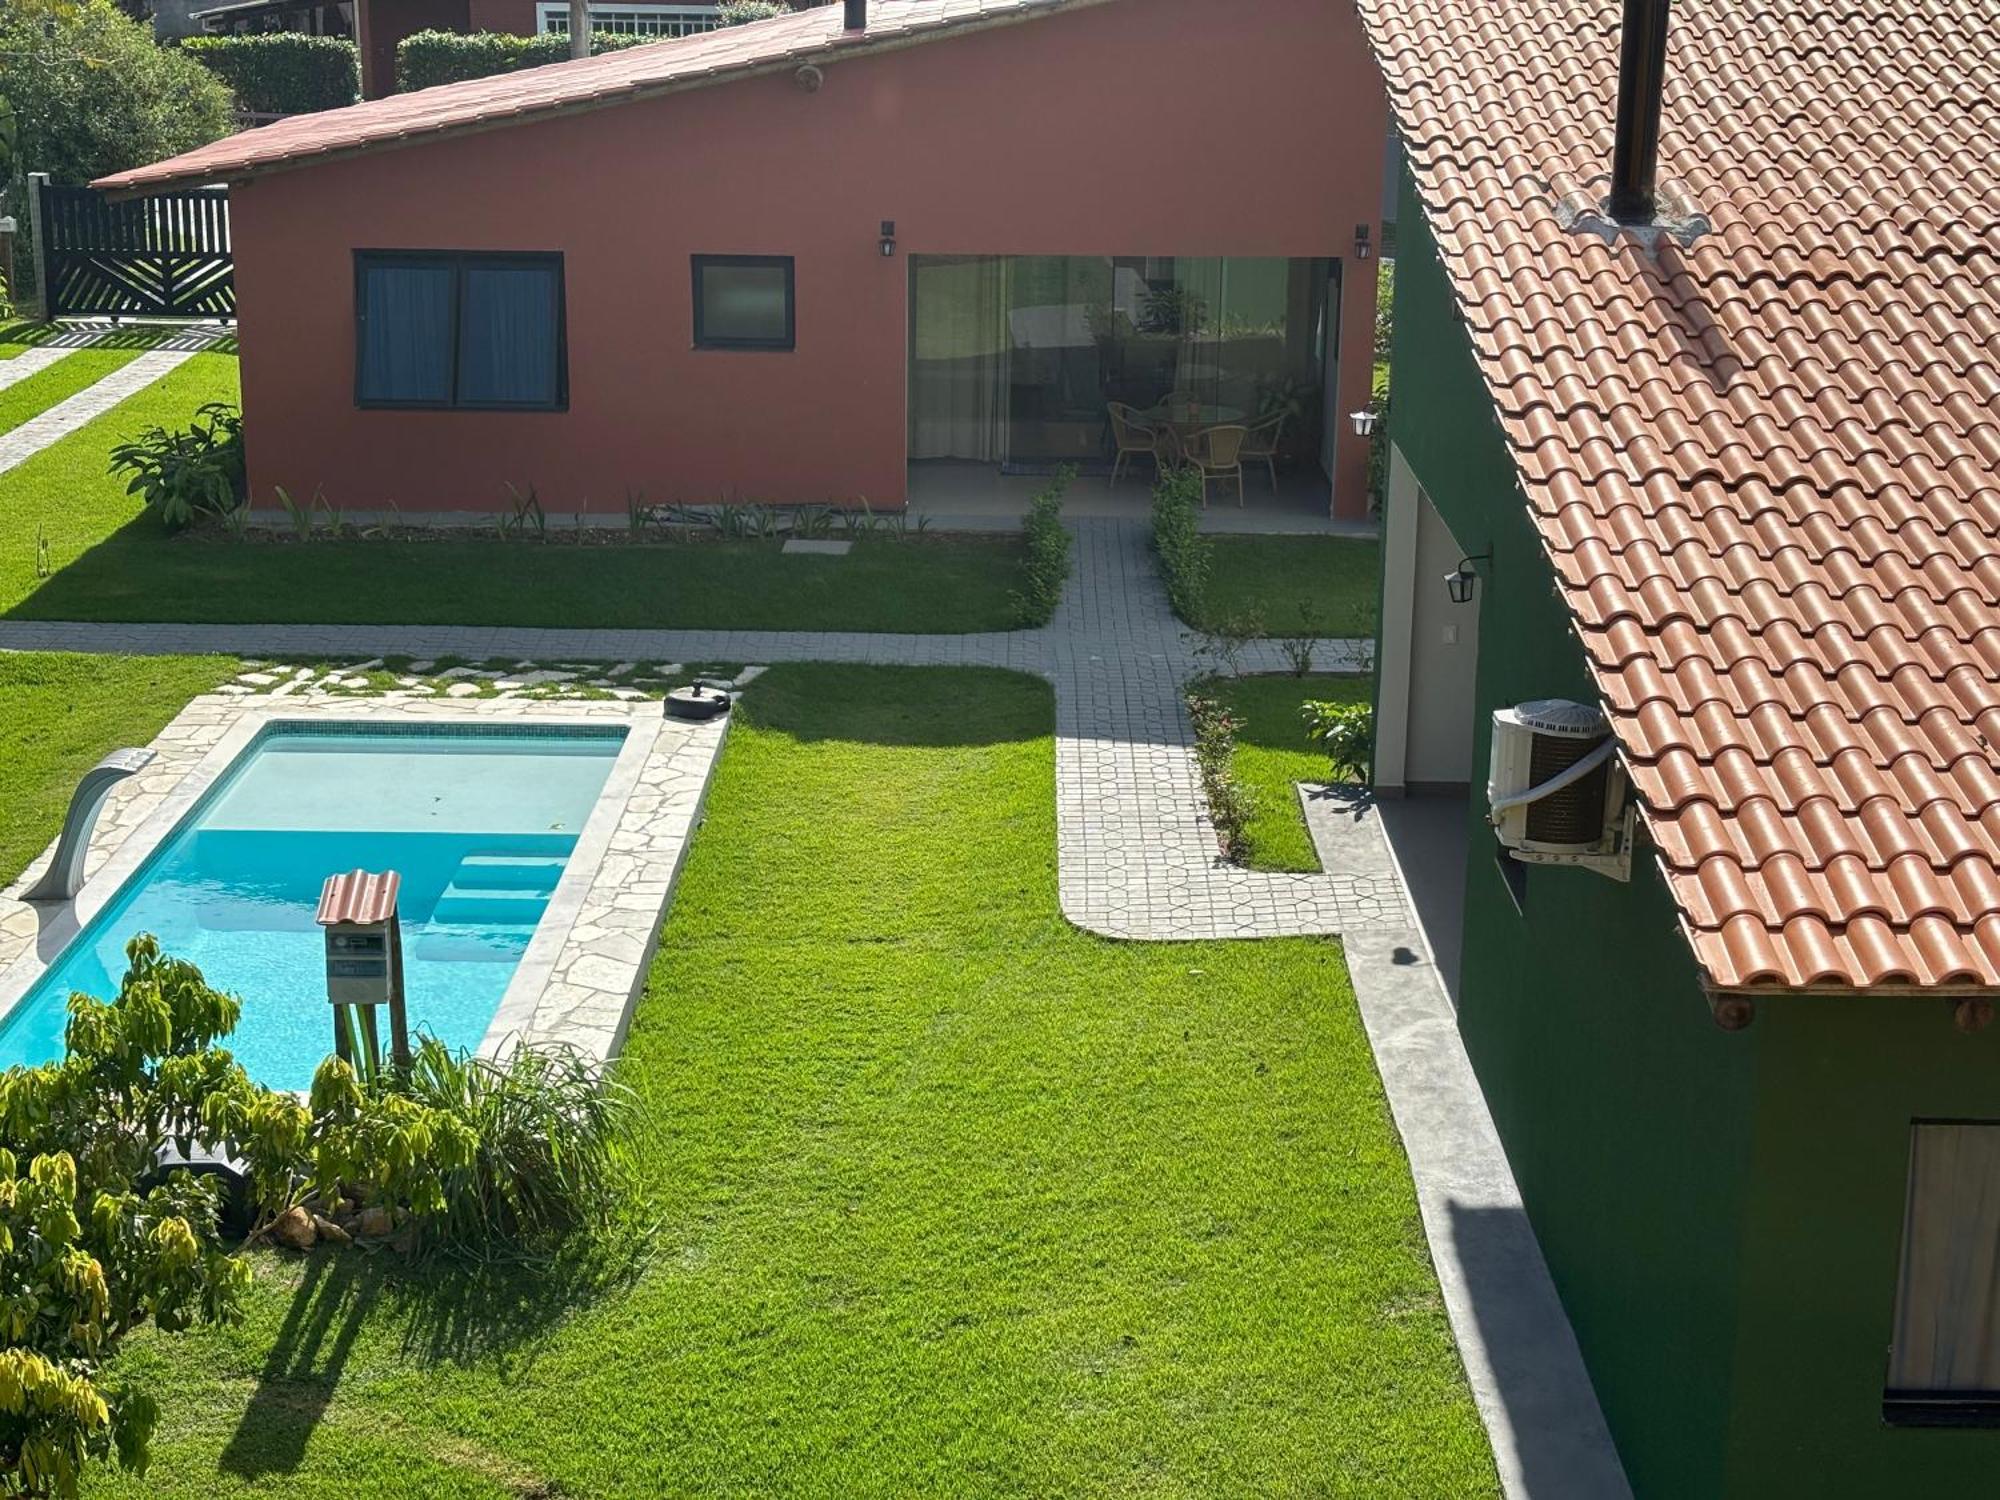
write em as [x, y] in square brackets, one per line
[59, 713]
[1272, 757]
[58, 382]
[113, 563]
[951, 1198]
[1293, 585]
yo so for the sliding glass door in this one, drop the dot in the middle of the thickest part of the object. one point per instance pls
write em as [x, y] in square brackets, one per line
[1017, 359]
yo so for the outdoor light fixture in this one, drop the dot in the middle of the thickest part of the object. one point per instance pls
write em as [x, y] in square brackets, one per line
[888, 237]
[1459, 581]
[1361, 245]
[1364, 421]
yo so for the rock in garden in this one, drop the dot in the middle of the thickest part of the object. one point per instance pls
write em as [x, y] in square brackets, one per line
[374, 1221]
[330, 1231]
[294, 1227]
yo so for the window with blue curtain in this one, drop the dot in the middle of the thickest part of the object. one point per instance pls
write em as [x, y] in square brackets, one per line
[449, 329]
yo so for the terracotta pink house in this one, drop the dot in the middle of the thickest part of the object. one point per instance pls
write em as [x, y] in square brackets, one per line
[796, 260]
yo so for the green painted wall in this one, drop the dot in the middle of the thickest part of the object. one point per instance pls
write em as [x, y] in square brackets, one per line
[1721, 1212]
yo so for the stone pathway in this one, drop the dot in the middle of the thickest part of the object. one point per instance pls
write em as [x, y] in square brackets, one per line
[1137, 857]
[31, 362]
[60, 420]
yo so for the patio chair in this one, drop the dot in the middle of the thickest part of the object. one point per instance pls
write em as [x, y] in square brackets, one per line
[1133, 437]
[1260, 445]
[1218, 453]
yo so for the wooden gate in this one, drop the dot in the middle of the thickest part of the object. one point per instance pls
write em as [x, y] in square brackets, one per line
[166, 256]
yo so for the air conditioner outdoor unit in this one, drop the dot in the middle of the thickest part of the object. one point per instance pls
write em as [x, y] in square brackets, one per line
[1557, 792]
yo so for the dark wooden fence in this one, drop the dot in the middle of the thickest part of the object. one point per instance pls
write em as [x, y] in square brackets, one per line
[166, 256]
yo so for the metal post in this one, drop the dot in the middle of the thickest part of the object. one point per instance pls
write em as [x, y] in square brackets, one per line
[38, 239]
[1642, 73]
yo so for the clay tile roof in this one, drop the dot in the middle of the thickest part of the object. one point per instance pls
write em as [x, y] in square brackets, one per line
[706, 58]
[1762, 465]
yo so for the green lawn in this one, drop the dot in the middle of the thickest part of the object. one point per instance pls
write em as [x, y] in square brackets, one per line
[1272, 757]
[59, 713]
[950, 1198]
[112, 563]
[58, 382]
[1293, 585]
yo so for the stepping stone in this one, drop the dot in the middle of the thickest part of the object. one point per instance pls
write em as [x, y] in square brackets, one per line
[802, 547]
[461, 690]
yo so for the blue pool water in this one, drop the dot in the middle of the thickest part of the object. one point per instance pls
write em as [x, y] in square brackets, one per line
[479, 824]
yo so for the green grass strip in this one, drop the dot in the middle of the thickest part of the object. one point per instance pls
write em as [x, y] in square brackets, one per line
[56, 383]
[1293, 585]
[1273, 756]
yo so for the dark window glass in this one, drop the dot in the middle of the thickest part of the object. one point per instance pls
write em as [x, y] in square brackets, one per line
[443, 330]
[743, 302]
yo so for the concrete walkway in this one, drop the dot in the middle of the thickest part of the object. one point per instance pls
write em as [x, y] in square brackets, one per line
[31, 362]
[1137, 858]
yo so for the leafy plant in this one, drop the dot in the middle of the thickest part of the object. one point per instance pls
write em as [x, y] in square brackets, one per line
[1228, 638]
[299, 517]
[811, 521]
[1298, 648]
[742, 12]
[281, 72]
[1047, 567]
[180, 475]
[425, 58]
[525, 512]
[637, 513]
[1185, 555]
[1378, 455]
[1346, 733]
[1230, 805]
[858, 520]
[236, 521]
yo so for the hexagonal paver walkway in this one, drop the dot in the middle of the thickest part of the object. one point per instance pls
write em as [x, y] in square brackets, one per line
[1137, 856]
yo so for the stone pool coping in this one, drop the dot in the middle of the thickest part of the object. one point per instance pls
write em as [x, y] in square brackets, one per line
[587, 961]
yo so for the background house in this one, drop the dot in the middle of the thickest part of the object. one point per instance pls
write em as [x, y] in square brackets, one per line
[780, 262]
[1734, 481]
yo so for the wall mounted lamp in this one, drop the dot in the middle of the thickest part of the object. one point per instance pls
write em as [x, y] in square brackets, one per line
[1365, 421]
[1460, 580]
[888, 237]
[1362, 236]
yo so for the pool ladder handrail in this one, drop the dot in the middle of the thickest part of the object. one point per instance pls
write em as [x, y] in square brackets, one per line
[64, 876]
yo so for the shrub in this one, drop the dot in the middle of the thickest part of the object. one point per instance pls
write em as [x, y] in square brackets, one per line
[1346, 732]
[281, 72]
[1178, 543]
[92, 94]
[1378, 456]
[427, 58]
[741, 12]
[181, 475]
[1230, 805]
[1048, 550]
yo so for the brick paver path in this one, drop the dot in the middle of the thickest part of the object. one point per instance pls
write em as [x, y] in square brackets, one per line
[30, 362]
[1136, 855]
[59, 421]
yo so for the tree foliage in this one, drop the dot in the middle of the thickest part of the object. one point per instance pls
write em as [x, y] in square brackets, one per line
[282, 72]
[91, 93]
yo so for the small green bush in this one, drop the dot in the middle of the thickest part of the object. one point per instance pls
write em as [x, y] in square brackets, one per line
[181, 475]
[741, 12]
[1346, 732]
[281, 72]
[428, 58]
[1183, 552]
[1048, 550]
[1230, 805]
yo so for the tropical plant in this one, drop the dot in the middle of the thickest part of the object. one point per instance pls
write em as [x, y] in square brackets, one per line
[1346, 733]
[1183, 552]
[524, 513]
[1227, 639]
[1300, 646]
[94, 1238]
[181, 475]
[1046, 569]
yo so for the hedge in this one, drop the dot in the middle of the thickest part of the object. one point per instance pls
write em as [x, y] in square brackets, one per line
[281, 72]
[426, 58]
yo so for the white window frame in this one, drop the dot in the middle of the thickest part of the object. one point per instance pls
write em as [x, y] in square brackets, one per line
[552, 16]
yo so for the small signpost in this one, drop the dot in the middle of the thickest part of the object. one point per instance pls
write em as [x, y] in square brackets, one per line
[364, 967]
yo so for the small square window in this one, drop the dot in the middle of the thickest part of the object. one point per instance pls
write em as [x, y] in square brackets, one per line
[743, 302]
[1944, 1366]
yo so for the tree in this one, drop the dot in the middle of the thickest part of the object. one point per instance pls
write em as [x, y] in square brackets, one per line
[93, 1238]
[92, 94]
[579, 28]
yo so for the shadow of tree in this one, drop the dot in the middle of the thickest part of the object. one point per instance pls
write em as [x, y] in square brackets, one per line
[304, 1366]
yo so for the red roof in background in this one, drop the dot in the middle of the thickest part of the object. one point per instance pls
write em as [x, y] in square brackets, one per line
[358, 896]
[1763, 467]
[695, 61]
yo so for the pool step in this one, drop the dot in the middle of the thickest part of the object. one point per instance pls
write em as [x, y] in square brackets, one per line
[475, 944]
[529, 872]
[484, 904]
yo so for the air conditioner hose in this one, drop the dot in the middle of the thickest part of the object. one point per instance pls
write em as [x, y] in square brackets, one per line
[1568, 776]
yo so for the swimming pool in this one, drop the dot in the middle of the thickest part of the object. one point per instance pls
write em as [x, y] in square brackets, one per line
[480, 822]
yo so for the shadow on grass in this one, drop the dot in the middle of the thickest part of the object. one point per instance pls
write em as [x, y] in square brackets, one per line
[304, 1366]
[827, 701]
[210, 337]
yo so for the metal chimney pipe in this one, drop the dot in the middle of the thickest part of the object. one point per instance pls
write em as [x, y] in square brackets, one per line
[1642, 73]
[855, 14]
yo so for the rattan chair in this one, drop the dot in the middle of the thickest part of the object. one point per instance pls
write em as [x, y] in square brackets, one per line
[1133, 437]
[1260, 445]
[1218, 453]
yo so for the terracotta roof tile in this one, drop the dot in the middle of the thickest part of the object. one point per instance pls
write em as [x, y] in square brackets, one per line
[1763, 466]
[807, 36]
